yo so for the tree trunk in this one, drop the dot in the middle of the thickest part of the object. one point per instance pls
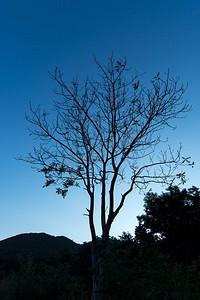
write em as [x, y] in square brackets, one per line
[97, 274]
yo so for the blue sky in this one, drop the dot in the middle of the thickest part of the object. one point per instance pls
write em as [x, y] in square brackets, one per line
[36, 36]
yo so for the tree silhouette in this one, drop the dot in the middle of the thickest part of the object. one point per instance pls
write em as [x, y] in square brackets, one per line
[105, 132]
[172, 219]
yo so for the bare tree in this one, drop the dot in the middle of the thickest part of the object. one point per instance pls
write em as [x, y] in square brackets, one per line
[105, 132]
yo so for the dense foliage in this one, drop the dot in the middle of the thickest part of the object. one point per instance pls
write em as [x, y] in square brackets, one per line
[161, 262]
[172, 221]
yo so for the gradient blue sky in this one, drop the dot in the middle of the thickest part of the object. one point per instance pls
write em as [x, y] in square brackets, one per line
[35, 36]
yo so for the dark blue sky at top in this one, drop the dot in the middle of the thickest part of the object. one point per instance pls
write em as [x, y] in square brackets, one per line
[36, 36]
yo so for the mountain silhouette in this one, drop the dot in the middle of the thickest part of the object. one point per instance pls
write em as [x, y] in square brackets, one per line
[35, 245]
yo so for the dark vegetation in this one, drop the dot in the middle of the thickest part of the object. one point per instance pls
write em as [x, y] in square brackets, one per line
[160, 262]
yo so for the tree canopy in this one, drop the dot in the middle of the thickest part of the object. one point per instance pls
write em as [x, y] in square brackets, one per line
[173, 220]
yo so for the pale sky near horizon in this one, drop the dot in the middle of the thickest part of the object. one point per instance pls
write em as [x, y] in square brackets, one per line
[36, 36]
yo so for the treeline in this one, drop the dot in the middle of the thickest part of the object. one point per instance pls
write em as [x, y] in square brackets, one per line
[160, 262]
